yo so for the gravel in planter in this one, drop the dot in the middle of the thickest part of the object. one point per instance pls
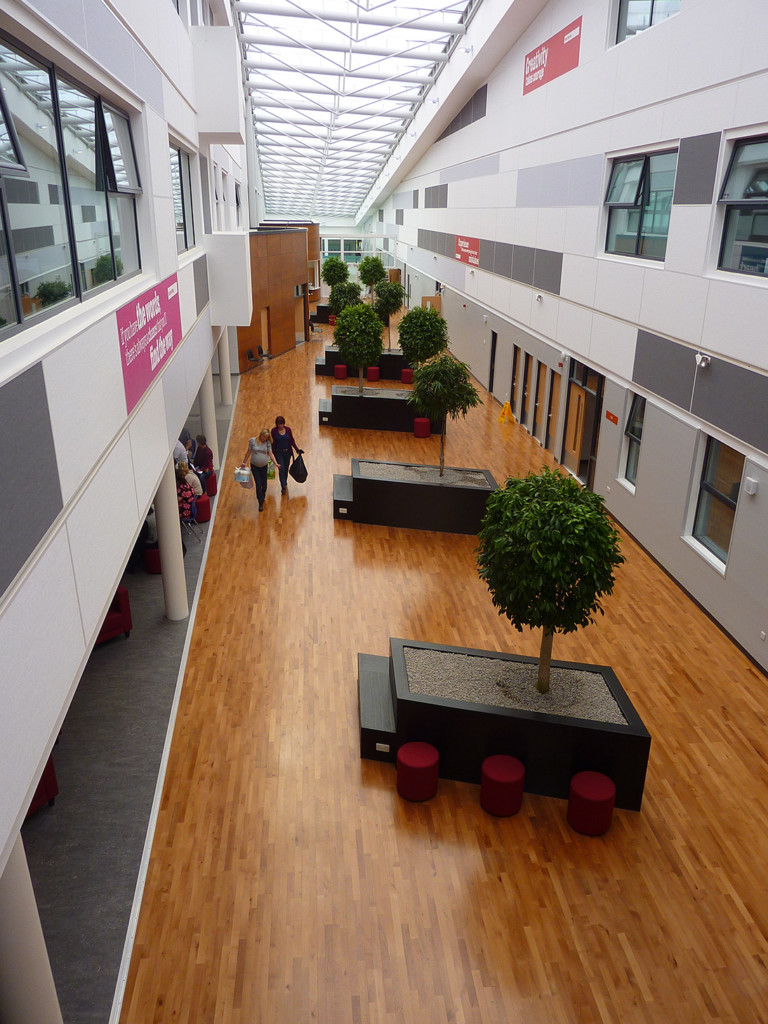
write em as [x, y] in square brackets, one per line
[422, 474]
[574, 693]
[342, 389]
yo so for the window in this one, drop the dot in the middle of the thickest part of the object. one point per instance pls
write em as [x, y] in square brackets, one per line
[353, 250]
[181, 185]
[637, 15]
[639, 200]
[745, 197]
[634, 436]
[718, 494]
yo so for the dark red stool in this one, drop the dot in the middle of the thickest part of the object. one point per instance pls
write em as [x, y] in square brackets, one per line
[417, 771]
[502, 780]
[340, 371]
[211, 484]
[373, 373]
[203, 506]
[152, 560]
[590, 803]
[406, 375]
[421, 427]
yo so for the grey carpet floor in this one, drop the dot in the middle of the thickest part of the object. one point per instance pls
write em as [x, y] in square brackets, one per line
[85, 851]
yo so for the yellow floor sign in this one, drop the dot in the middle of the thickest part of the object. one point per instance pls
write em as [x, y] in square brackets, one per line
[506, 413]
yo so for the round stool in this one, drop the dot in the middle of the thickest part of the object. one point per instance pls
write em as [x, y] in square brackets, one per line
[421, 427]
[203, 506]
[502, 779]
[406, 375]
[417, 768]
[590, 803]
[211, 485]
[340, 371]
[373, 373]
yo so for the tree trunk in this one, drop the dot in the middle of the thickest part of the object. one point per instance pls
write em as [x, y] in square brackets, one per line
[442, 448]
[545, 660]
[360, 381]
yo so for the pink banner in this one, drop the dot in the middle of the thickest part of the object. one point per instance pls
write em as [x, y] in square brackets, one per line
[468, 250]
[149, 328]
[555, 57]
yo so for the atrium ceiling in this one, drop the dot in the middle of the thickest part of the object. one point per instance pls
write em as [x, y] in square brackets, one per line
[334, 86]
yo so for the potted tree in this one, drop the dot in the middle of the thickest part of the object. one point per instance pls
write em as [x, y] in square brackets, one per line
[358, 337]
[371, 270]
[390, 296]
[334, 271]
[423, 333]
[346, 293]
[441, 388]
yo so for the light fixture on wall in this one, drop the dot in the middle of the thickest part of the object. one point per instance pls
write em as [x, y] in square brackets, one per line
[433, 99]
[750, 485]
[467, 49]
[702, 360]
[539, 298]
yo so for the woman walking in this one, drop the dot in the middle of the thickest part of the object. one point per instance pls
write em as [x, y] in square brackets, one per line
[282, 443]
[260, 451]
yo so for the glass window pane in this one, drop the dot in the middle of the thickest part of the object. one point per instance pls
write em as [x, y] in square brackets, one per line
[633, 457]
[186, 194]
[9, 155]
[8, 316]
[121, 150]
[125, 241]
[745, 245]
[38, 224]
[622, 231]
[718, 495]
[86, 186]
[723, 469]
[178, 202]
[748, 174]
[714, 524]
[636, 417]
[625, 180]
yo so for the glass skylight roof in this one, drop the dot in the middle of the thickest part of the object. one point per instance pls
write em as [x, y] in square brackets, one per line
[334, 84]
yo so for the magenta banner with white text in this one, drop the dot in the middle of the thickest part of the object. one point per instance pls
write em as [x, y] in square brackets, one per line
[149, 329]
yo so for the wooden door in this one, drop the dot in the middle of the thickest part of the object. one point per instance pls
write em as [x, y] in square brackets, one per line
[538, 404]
[553, 408]
[574, 427]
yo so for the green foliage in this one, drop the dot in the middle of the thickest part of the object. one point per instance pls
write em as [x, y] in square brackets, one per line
[345, 294]
[547, 551]
[370, 270]
[358, 335]
[334, 271]
[441, 388]
[52, 291]
[390, 295]
[102, 269]
[423, 334]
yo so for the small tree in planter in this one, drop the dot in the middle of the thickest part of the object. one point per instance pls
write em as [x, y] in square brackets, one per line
[347, 293]
[547, 552]
[371, 270]
[423, 334]
[390, 295]
[52, 291]
[442, 388]
[334, 271]
[358, 336]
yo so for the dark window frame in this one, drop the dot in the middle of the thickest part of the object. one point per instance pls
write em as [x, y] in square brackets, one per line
[707, 488]
[633, 432]
[735, 207]
[640, 203]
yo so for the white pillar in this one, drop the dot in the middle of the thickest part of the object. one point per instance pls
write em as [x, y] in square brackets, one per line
[169, 546]
[27, 990]
[225, 369]
[208, 415]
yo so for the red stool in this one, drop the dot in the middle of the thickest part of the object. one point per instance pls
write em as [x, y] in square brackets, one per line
[406, 375]
[203, 506]
[211, 484]
[152, 560]
[421, 427]
[417, 771]
[590, 803]
[340, 371]
[501, 785]
[372, 373]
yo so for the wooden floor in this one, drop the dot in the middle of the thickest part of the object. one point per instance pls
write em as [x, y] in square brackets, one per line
[289, 883]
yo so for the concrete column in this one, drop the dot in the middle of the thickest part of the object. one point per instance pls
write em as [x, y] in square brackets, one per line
[27, 991]
[225, 370]
[169, 546]
[208, 415]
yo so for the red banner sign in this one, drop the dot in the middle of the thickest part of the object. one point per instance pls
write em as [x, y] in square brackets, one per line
[149, 328]
[555, 57]
[468, 250]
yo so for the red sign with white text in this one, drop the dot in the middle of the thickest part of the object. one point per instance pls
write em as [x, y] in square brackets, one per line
[468, 250]
[149, 328]
[555, 57]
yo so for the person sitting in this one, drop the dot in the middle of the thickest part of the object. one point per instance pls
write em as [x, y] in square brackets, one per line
[184, 495]
[203, 460]
[192, 478]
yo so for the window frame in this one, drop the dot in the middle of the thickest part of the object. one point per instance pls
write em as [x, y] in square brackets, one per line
[708, 489]
[621, 20]
[738, 206]
[633, 440]
[640, 203]
[187, 205]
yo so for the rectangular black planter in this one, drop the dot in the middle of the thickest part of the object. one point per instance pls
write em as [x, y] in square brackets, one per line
[373, 410]
[412, 504]
[390, 365]
[552, 747]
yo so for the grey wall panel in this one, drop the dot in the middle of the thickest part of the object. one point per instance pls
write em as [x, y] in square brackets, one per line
[480, 168]
[665, 368]
[30, 475]
[734, 399]
[565, 183]
[548, 270]
[200, 267]
[487, 252]
[585, 180]
[522, 264]
[696, 169]
[502, 260]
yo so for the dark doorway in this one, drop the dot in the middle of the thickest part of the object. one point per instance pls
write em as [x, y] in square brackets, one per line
[494, 339]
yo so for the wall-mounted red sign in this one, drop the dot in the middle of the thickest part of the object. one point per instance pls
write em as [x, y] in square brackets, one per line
[612, 417]
[559, 54]
[149, 329]
[468, 250]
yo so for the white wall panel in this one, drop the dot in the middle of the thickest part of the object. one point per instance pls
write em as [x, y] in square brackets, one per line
[544, 314]
[740, 337]
[619, 288]
[526, 227]
[578, 279]
[149, 446]
[574, 329]
[582, 235]
[551, 229]
[502, 297]
[613, 345]
[38, 676]
[506, 225]
[673, 304]
[84, 418]
[187, 297]
[520, 299]
[688, 248]
[484, 287]
[101, 527]
[700, 112]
